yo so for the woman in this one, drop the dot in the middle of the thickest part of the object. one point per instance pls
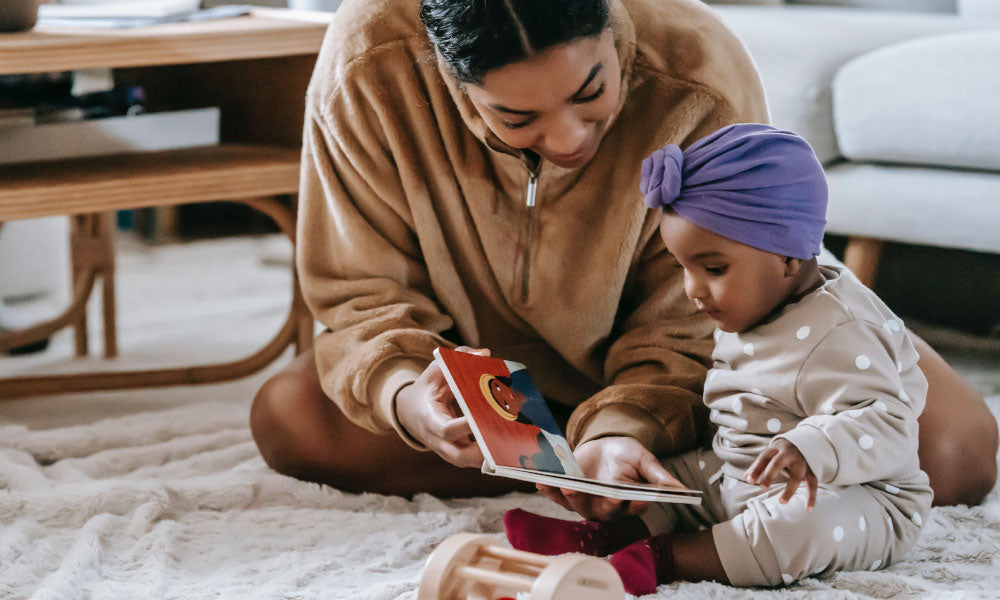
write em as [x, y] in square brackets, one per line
[470, 175]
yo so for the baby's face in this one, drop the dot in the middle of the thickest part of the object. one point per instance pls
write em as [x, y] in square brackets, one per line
[734, 284]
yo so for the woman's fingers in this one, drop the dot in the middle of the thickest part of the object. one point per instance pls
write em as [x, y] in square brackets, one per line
[457, 431]
[652, 471]
[467, 456]
[553, 494]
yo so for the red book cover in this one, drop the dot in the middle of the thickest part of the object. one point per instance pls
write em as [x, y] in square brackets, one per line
[508, 413]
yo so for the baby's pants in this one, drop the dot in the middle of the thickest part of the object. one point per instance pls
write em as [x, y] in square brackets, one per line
[763, 542]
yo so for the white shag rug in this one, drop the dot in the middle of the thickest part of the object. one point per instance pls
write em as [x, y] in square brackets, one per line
[160, 499]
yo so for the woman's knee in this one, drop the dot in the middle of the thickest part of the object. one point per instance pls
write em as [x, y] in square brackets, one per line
[963, 468]
[274, 418]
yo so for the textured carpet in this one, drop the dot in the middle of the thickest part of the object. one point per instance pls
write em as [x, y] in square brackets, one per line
[161, 493]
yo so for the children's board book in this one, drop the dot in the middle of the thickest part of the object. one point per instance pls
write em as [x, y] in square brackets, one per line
[519, 436]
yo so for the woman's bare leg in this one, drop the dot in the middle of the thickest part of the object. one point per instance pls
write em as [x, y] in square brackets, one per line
[301, 433]
[958, 434]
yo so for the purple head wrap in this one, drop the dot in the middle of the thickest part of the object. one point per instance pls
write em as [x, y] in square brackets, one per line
[751, 183]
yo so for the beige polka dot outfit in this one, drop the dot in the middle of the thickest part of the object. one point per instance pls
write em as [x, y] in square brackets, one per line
[835, 374]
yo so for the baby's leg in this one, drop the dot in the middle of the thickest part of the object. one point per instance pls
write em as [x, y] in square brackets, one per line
[860, 527]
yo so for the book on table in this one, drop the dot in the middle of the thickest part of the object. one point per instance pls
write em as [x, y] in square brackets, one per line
[518, 435]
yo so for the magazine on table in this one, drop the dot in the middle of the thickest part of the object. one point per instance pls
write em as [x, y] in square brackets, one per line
[518, 435]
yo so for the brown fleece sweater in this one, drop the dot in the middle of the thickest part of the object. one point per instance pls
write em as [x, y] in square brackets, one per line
[414, 231]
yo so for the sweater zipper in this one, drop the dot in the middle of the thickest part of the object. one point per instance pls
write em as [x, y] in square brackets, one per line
[529, 202]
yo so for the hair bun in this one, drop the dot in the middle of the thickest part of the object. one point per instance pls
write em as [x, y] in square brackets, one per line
[661, 176]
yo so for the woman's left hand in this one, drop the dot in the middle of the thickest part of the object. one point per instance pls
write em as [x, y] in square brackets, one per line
[610, 459]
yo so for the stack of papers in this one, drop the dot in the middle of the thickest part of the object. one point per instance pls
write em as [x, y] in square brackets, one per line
[132, 14]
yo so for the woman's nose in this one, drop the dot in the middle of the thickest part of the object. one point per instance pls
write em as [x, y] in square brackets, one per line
[566, 135]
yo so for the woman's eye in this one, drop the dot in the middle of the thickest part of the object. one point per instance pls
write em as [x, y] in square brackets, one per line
[510, 125]
[715, 270]
[592, 97]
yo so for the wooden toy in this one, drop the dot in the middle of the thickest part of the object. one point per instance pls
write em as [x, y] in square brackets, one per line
[468, 566]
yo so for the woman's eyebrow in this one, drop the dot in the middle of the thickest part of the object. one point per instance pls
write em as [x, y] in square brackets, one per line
[590, 77]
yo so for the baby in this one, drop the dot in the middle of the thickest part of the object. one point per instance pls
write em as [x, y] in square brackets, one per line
[815, 389]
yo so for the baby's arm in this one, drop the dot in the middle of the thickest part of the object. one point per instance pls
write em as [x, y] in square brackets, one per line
[862, 424]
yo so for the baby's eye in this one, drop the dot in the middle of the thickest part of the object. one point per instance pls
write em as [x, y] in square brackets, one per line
[716, 271]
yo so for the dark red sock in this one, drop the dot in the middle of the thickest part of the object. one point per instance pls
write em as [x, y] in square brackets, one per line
[645, 564]
[545, 535]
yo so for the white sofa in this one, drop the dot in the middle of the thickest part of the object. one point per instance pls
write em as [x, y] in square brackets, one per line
[902, 108]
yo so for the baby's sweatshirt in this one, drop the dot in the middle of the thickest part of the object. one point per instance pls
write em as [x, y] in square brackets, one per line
[835, 374]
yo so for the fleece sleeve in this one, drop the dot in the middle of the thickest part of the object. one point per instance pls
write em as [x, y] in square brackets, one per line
[656, 367]
[359, 262]
[862, 423]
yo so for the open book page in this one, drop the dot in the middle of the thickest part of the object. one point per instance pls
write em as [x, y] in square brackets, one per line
[518, 435]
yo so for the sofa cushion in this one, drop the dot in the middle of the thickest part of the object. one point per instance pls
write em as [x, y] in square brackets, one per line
[921, 5]
[936, 207]
[930, 101]
[799, 50]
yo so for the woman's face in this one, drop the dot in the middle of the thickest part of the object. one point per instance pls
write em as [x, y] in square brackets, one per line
[556, 103]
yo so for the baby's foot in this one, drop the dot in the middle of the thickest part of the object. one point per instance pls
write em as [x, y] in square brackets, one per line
[645, 564]
[545, 535]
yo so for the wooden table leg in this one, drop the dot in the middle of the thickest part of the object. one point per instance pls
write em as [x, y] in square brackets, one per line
[861, 256]
[79, 234]
[106, 235]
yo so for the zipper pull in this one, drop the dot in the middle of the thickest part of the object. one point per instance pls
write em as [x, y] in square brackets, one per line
[532, 190]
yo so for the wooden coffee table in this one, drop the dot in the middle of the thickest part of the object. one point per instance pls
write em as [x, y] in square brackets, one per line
[256, 69]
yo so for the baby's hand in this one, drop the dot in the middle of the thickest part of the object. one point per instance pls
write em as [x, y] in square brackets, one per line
[782, 455]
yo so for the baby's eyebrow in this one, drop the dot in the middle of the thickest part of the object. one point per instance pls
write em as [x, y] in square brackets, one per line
[707, 254]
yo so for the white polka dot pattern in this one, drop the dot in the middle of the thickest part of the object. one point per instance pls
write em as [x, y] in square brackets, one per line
[862, 362]
[748, 349]
[862, 524]
[918, 519]
[876, 564]
[904, 396]
[737, 405]
[879, 405]
[838, 533]
[866, 442]
[785, 577]
[701, 465]
[803, 332]
[773, 425]
[891, 488]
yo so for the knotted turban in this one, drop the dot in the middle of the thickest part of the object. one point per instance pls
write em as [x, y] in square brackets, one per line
[751, 183]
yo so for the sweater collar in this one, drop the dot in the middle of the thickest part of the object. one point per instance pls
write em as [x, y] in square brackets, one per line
[625, 43]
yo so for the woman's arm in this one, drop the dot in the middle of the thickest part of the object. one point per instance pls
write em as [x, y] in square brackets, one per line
[358, 260]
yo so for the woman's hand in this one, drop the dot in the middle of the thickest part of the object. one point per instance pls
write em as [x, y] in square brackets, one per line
[610, 459]
[782, 455]
[427, 411]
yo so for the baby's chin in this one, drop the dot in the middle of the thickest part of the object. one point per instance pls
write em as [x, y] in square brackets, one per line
[728, 327]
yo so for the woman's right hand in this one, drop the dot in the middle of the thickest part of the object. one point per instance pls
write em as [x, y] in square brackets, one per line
[427, 411]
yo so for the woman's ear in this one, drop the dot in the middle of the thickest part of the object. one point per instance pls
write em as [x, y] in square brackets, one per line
[792, 266]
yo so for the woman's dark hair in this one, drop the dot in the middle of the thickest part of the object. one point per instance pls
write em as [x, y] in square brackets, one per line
[476, 36]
